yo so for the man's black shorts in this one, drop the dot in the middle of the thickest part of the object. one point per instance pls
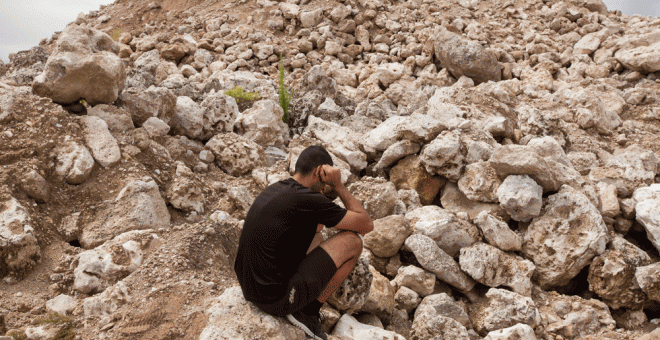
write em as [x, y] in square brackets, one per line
[306, 285]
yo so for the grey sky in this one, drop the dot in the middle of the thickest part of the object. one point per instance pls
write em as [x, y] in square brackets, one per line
[23, 23]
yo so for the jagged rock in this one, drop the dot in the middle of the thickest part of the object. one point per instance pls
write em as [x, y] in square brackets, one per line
[19, 249]
[406, 299]
[107, 303]
[137, 206]
[443, 156]
[503, 309]
[153, 102]
[349, 328]
[118, 120]
[74, 163]
[521, 197]
[453, 200]
[185, 192]
[607, 197]
[102, 144]
[311, 18]
[495, 268]
[35, 186]
[639, 52]
[188, 118]
[647, 211]
[443, 305]
[439, 317]
[62, 304]
[565, 238]
[397, 151]
[449, 232]
[630, 168]
[388, 235]
[417, 279]
[498, 233]
[235, 154]
[435, 260]
[518, 332]
[101, 267]
[220, 114]
[573, 317]
[262, 123]
[241, 197]
[612, 277]
[463, 57]
[409, 173]
[377, 196]
[84, 65]
[380, 300]
[648, 278]
[233, 318]
[353, 292]
[156, 127]
[480, 182]
[339, 140]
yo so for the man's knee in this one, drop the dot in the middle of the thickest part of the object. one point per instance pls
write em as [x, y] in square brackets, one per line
[353, 242]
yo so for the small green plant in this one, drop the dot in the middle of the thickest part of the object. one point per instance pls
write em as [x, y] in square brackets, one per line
[285, 95]
[67, 329]
[83, 102]
[240, 96]
[116, 33]
[17, 335]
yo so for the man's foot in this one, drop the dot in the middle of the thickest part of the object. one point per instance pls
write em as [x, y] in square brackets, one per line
[309, 323]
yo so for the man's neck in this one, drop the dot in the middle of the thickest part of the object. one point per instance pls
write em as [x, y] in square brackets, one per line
[306, 181]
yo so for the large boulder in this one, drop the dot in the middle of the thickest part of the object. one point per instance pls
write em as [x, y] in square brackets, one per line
[388, 235]
[449, 232]
[153, 102]
[495, 268]
[640, 53]
[498, 233]
[502, 309]
[102, 144]
[438, 317]
[19, 249]
[101, 267]
[186, 191]
[521, 197]
[74, 163]
[233, 318]
[409, 173]
[463, 57]
[380, 300]
[137, 206]
[377, 195]
[647, 211]
[415, 278]
[188, 118]
[339, 140]
[262, 123]
[648, 278]
[353, 292]
[612, 277]
[220, 114]
[84, 65]
[349, 328]
[435, 260]
[444, 156]
[480, 182]
[569, 234]
[235, 154]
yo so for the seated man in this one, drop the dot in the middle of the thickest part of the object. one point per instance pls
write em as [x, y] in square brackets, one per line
[283, 265]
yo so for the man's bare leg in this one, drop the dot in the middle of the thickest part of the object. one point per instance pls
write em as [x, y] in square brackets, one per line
[318, 238]
[345, 249]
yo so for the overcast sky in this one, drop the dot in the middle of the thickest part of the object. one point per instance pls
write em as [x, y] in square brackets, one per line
[23, 23]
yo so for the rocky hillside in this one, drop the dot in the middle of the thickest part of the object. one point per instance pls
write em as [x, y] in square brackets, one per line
[508, 152]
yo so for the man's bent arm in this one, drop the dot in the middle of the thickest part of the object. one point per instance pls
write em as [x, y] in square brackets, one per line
[356, 219]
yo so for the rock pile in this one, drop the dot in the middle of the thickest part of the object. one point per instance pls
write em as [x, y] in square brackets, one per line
[507, 153]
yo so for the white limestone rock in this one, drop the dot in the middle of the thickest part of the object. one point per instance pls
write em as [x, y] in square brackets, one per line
[503, 309]
[435, 260]
[438, 317]
[74, 163]
[444, 156]
[262, 123]
[520, 331]
[565, 238]
[415, 278]
[349, 328]
[220, 113]
[231, 317]
[137, 206]
[388, 235]
[647, 211]
[188, 118]
[102, 144]
[495, 268]
[19, 248]
[185, 192]
[378, 196]
[498, 233]
[480, 182]
[339, 140]
[235, 154]
[449, 232]
[62, 304]
[521, 197]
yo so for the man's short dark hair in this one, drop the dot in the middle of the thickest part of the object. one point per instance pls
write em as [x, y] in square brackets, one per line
[312, 157]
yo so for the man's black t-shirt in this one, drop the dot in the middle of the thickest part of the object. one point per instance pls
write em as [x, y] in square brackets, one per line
[277, 232]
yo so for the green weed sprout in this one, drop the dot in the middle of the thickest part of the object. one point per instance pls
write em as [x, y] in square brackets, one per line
[285, 96]
[241, 96]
